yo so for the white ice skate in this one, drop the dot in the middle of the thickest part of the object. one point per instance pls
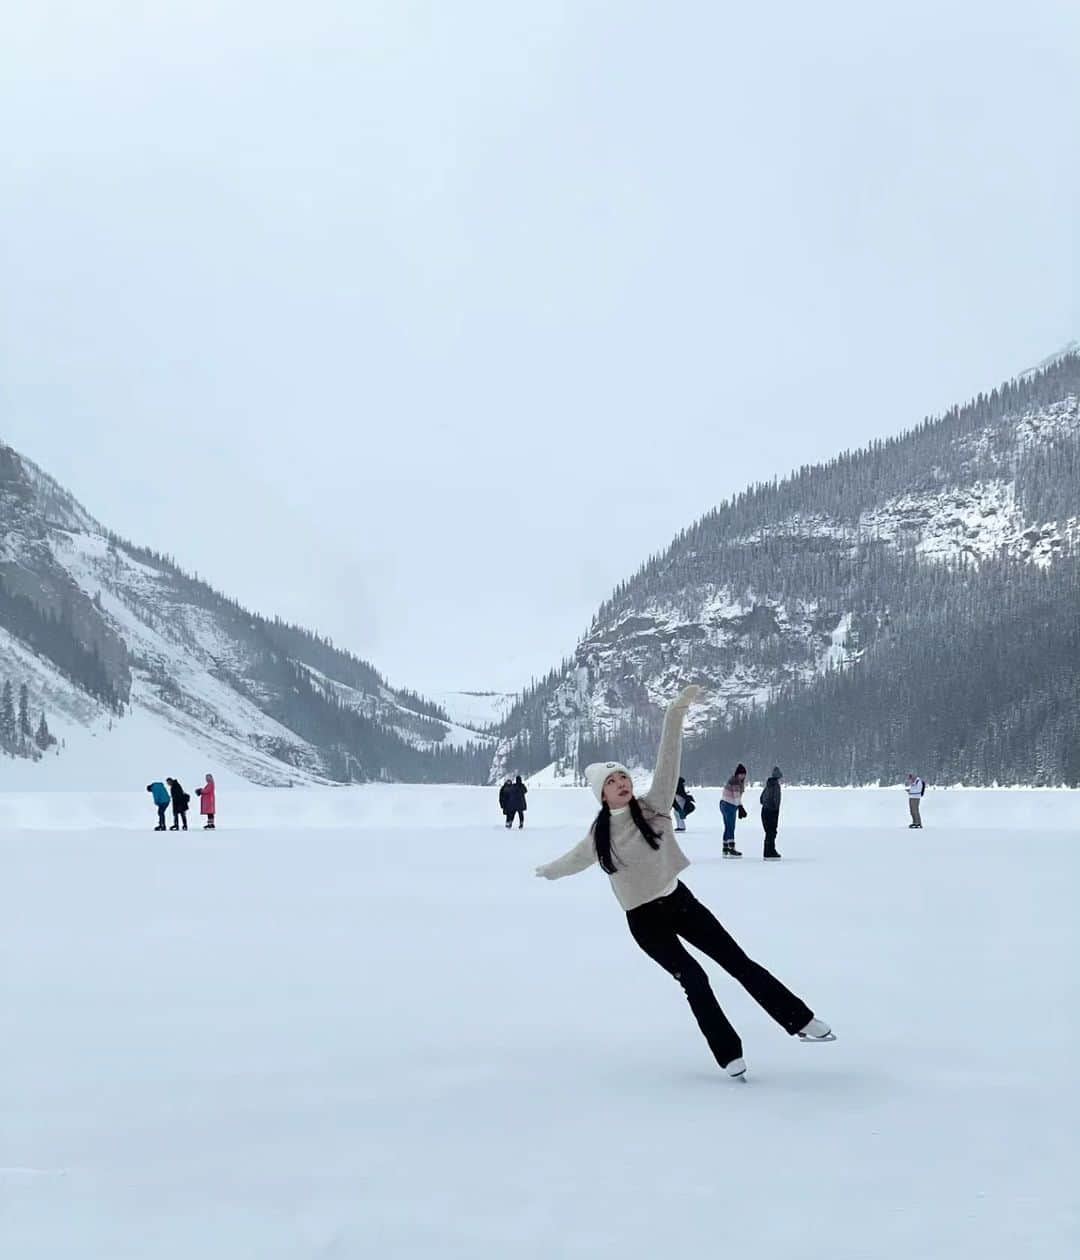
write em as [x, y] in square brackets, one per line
[736, 1069]
[817, 1030]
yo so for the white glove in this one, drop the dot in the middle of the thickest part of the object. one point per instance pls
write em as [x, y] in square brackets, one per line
[542, 872]
[690, 695]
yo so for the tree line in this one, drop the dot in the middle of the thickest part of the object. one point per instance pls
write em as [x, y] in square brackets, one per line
[19, 735]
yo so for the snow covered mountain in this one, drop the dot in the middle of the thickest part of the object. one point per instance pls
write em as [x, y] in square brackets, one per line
[849, 620]
[475, 710]
[107, 646]
[913, 604]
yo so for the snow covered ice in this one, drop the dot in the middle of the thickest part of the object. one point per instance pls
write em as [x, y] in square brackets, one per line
[352, 1023]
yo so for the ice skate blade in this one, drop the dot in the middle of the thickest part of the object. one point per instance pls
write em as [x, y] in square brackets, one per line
[812, 1040]
[736, 1069]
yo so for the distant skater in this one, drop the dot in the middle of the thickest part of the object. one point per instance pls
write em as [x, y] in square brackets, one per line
[207, 802]
[180, 802]
[683, 804]
[731, 807]
[634, 842]
[505, 793]
[916, 790]
[770, 813]
[517, 801]
[161, 796]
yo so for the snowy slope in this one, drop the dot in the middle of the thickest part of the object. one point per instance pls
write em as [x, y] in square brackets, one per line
[120, 756]
[1067, 350]
[187, 647]
[130, 657]
[214, 1053]
[474, 710]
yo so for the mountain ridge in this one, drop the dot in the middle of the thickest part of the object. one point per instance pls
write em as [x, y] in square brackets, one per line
[94, 626]
[794, 580]
[797, 602]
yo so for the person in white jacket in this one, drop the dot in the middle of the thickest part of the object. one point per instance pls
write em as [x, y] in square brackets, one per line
[916, 789]
[633, 841]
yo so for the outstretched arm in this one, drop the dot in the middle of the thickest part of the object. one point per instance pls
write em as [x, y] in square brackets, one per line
[666, 775]
[579, 858]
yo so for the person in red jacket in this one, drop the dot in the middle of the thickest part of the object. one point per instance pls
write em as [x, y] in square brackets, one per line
[207, 802]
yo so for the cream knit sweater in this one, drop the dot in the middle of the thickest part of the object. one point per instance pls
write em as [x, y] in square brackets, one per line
[641, 873]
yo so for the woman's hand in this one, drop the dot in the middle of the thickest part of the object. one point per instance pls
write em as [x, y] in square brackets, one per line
[542, 872]
[691, 695]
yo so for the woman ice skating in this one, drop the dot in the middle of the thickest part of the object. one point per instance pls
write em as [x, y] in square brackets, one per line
[683, 805]
[180, 802]
[634, 843]
[770, 813]
[160, 794]
[731, 807]
[207, 802]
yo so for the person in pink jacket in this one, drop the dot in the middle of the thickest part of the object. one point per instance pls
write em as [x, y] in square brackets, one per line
[731, 807]
[207, 802]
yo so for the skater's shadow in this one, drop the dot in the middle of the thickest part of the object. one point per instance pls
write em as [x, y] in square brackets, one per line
[854, 1084]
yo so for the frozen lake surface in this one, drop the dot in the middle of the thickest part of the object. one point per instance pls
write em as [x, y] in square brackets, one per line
[353, 1024]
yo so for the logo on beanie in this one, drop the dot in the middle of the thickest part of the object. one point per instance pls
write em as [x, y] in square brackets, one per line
[597, 774]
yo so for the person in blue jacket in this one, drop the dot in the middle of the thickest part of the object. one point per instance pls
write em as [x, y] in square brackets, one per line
[162, 798]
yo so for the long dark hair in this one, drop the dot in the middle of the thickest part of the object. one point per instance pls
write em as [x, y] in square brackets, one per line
[602, 834]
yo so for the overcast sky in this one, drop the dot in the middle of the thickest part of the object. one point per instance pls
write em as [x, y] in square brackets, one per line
[424, 324]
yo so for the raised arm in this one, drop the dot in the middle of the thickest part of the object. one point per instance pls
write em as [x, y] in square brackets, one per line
[579, 858]
[666, 775]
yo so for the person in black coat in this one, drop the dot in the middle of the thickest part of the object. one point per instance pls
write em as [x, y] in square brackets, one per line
[770, 812]
[683, 804]
[517, 802]
[180, 802]
[504, 800]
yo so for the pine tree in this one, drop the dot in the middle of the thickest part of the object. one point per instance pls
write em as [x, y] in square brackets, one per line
[43, 738]
[7, 714]
[25, 730]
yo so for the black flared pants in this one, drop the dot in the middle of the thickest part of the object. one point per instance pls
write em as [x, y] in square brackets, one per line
[658, 926]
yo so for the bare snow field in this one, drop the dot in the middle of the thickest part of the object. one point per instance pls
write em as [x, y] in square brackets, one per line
[353, 1024]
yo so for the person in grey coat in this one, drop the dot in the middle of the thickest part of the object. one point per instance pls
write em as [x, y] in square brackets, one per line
[770, 812]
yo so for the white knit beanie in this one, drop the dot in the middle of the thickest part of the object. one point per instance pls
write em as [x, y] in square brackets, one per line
[598, 773]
